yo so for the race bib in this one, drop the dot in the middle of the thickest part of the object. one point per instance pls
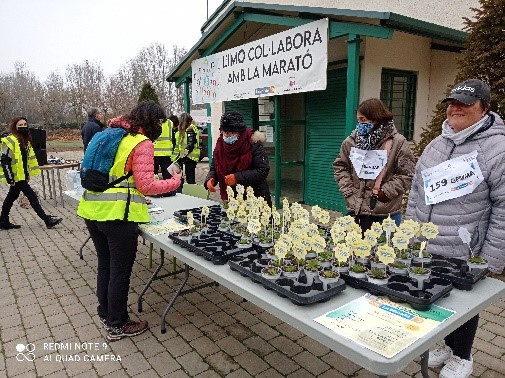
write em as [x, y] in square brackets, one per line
[452, 179]
[368, 163]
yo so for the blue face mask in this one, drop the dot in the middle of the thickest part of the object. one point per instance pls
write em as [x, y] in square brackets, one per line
[231, 139]
[364, 128]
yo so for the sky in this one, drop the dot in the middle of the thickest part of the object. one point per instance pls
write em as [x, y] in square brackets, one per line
[48, 35]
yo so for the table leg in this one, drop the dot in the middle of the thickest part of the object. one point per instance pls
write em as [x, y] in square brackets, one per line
[150, 255]
[424, 364]
[82, 247]
[151, 279]
[43, 186]
[54, 188]
[59, 186]
[49, 184]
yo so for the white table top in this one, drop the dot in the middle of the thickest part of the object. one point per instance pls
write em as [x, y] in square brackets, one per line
[466, 303]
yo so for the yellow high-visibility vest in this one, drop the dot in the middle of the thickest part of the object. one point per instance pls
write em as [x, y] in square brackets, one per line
[183, 143]
[163, 146]
[123, 202]
[11, 142]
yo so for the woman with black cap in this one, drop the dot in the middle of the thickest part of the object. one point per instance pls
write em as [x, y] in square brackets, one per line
[239, 158]
[468, 163]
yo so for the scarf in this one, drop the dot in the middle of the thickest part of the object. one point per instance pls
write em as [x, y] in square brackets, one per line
[460, 137]
[371, 140]
[232, 158]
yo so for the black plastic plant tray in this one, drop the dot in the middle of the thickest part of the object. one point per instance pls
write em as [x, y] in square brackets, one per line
[404, 289]
[217, 246]
[456, 271]
[249, 264]
[214, 217]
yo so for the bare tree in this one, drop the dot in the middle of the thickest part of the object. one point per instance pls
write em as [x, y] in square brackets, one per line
[53, 103]
[85, 84]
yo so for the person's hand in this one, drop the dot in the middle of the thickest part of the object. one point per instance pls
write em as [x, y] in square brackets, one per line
[382, 197]
[230, 180]
[177, 174]
[210, 185]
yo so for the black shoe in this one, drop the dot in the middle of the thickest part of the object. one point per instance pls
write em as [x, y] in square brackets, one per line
[52, 221]
[8, 226]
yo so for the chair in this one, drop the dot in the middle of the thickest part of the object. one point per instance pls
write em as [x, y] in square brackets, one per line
[195, 190]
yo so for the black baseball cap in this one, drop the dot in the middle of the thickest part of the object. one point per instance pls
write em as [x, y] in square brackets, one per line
[469, 91]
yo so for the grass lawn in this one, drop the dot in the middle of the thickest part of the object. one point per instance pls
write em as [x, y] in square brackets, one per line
[64, 145]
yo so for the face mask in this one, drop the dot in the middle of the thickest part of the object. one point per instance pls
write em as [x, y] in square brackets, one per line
[231, 139]
[23, 131]
[156, 132]
[364, 128]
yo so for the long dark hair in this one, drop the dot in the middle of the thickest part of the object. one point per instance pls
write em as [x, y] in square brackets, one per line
[146, 115]
[23, 139]
[185, 120]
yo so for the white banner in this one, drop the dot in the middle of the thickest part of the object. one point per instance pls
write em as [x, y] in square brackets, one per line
[289, 62]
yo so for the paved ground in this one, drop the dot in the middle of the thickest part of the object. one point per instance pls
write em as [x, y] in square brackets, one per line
[47, 296]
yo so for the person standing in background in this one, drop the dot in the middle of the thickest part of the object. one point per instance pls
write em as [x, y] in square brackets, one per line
[17, 164]
[188, 146]
[164, 146]
[92, 126]
[372, 200]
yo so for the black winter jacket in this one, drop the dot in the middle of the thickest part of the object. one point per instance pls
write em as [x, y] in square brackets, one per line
[256, 175]
[90, 128]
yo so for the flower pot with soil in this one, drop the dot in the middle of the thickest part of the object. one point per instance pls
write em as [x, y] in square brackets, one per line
[377, 276]
[271, 272]
[477, 262]
[327, 277]
[357, 271]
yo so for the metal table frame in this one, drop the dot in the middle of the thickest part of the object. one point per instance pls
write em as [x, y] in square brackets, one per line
[51, 181]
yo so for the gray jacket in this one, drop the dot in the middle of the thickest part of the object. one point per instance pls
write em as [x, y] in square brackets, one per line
[482, 212]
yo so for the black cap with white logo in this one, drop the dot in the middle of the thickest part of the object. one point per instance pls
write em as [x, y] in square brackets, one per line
[469, 91]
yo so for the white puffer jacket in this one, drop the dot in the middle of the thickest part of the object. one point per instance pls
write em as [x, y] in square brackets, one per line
[481, 212]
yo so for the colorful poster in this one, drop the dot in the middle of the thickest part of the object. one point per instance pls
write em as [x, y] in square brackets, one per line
[381, 325]
[289, 62]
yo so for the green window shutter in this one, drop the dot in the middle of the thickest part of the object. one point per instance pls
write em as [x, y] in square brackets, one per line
[244, 107]
[325, 134]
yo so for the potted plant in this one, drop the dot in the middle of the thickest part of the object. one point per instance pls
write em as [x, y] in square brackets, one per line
[185, 235]
[265, 241]
[275, 262]
[340, 266]
[419, 273]
[311, 269]
[325, 258]
[328, 276]
[398, 267]
[377, 276]
[244, 242]
[375, 263]
[224, 225]
[477, 262]
[425, 259]
[271, 272]
[357, 271]
[290, 271]
[403, 256]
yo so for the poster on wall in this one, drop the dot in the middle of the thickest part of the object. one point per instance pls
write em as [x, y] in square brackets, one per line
[293, 61]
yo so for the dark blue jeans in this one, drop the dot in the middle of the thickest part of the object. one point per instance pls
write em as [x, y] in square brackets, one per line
[116, 247]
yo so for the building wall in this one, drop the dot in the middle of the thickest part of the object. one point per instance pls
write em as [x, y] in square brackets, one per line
[447, 13]
[435, 70]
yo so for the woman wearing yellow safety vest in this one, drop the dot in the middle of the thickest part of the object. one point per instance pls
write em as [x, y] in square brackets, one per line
[112, 216]
[188, 146]
[17, 164]
[164, 146]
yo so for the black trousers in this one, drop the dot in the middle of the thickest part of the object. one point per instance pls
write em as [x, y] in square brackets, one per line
[116, 247]
[13, 194]
[189, 170]
[461, 339]
[163, 162]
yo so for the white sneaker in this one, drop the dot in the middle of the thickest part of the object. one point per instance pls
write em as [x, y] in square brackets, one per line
[439, 356]
[456, 367]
